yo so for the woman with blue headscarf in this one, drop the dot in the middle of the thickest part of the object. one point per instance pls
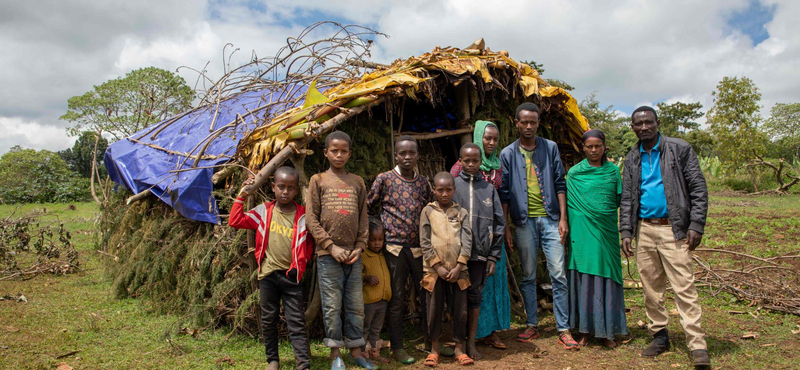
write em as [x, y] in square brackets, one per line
[496, 305]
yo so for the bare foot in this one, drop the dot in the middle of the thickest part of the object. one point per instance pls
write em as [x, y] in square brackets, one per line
[472, 351]
[609, 343]
[584, 339]
[273, 365]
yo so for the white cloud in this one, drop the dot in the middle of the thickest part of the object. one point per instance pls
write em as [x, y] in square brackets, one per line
[33, 135]
[627, 51]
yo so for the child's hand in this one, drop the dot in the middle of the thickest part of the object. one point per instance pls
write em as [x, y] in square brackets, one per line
[490, 266]
[371, 280]
[452, 276]
[339, 254]
[353, 256]
[246, 185]
[441, 271]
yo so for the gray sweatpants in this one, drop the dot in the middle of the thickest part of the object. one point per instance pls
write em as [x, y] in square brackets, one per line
[374, 315]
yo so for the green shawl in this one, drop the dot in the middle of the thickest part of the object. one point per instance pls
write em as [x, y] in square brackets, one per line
[491, 162]
[593, 195]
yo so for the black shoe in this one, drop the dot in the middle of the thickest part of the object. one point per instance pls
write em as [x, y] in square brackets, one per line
[659, 345]
[701, 360]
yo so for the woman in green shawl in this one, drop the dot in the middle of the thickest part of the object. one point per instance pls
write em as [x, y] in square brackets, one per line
[596, 298]
[496, 304]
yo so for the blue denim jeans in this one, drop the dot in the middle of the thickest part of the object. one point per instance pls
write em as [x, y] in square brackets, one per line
[542, 232]
[340, 286]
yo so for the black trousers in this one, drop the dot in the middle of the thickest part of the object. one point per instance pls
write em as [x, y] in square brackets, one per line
[477, 279]
[449, 294]
[272, 289]
[400, 267]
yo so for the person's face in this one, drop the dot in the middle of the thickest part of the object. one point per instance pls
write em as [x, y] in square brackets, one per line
[470, 160]
[375, 241]
[338, 153]
[406, 154]
[491, 136]
[285, 188]
[528, 124]
[594, 149]
[645, 125]
[443, 190]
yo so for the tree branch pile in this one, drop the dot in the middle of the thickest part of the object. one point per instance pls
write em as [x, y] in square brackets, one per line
[772, 283]
[28, 248]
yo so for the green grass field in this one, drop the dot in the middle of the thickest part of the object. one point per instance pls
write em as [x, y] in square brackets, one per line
[76, 312]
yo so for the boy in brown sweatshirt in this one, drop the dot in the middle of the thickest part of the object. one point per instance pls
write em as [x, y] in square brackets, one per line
[337, 218]
[446, 242]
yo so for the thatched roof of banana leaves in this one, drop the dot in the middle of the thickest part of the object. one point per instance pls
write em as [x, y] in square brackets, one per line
[421, 78]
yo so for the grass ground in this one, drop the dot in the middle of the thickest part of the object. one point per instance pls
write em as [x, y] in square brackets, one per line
[77, 313]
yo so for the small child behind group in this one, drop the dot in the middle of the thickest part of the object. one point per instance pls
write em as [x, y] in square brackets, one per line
[446, 241]
[377, 289]
[282, 252]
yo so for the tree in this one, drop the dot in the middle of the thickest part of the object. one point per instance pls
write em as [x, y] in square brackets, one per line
[734, 121]
[783, 126]
[619, 136]
[79, 158]
[29, 176]
[125, 105]
[678, 118]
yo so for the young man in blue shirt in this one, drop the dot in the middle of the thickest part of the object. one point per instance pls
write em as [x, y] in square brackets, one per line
[533, 194]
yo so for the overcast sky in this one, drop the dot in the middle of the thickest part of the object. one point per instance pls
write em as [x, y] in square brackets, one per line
[628, 52]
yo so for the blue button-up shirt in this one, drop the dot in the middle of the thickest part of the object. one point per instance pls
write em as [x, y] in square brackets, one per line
[653, 202]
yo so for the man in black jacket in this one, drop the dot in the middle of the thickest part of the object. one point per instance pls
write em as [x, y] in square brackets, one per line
[664, 203]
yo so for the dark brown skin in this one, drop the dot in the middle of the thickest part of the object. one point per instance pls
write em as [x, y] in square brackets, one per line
[338, 153]
[471, 163]
[528, 124]
[645, 126]
[491, 137]
[406, 155]
[594, 149]
[375, 244]
[285, 188]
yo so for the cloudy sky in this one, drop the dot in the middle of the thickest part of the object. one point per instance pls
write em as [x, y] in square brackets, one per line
[628, 52]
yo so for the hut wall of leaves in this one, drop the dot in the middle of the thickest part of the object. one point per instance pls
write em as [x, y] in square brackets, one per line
[207, 271]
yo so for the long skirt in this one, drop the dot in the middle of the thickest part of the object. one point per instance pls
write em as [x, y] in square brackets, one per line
[596, 305]
[496, 303]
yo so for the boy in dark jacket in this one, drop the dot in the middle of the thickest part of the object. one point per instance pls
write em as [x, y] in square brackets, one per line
[282, 251]
[479, 198]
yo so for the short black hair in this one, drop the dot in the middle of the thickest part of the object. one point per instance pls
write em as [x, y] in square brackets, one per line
[375, 224]
[338, 135]
[406, 138]
[528, 106]
[644, 108]
[469, 146]
[444, 175]
[286, 170]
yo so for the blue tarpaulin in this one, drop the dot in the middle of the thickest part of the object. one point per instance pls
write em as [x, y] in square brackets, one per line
[142, 162]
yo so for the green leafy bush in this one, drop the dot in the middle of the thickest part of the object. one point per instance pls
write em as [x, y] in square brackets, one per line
[30, 176]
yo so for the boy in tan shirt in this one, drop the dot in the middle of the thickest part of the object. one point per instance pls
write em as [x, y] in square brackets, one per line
[446, 242]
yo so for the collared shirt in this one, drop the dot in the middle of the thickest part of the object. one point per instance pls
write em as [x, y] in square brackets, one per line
[653, 202]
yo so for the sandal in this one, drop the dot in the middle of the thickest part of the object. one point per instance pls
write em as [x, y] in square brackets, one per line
[494, 344]
[432, 360]
[464, 360]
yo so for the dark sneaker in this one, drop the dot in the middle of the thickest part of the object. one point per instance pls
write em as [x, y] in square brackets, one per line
[701, 360]
[402, 357]
[529, 334]
[659, 345]
[566, 340]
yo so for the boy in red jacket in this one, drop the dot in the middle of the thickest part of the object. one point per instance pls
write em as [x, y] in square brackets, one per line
[282, 251]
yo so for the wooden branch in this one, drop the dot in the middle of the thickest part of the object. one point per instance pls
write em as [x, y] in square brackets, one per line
[365, 64]
[222, 174]
[138, 196]
[263, 175]
[436, 135]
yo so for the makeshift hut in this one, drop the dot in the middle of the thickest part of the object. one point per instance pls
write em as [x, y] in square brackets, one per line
[168, 235]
